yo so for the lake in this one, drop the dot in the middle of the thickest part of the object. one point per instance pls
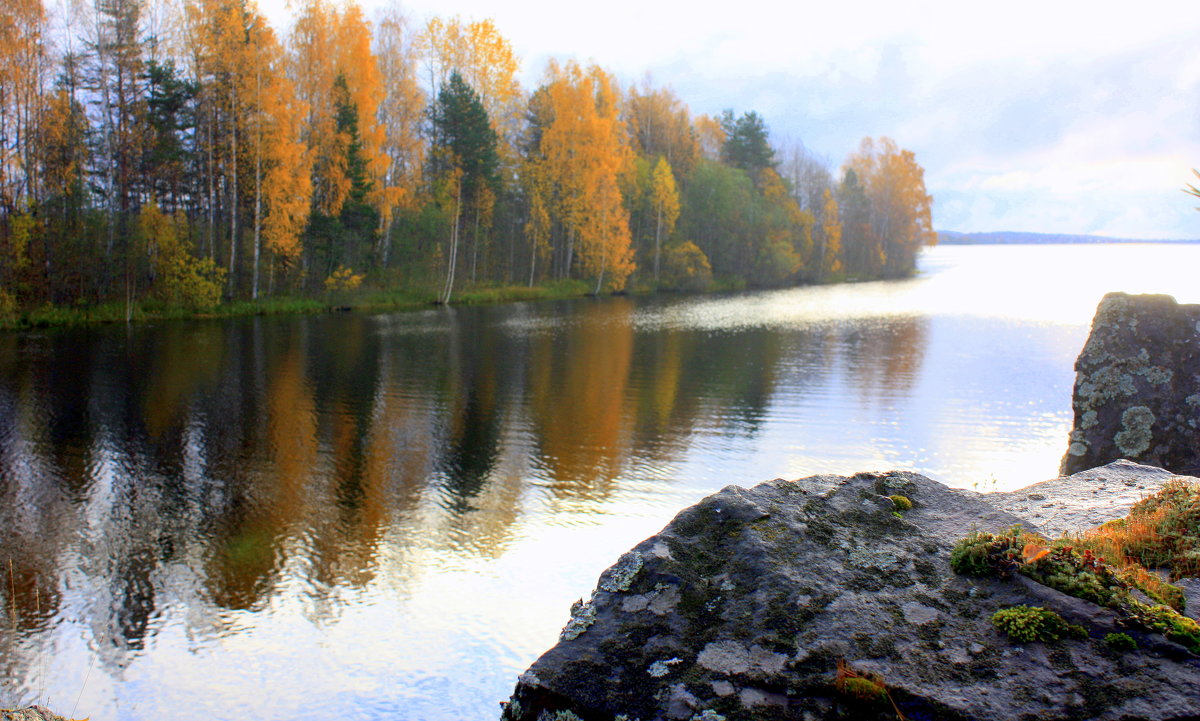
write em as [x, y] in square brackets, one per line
[388, 516]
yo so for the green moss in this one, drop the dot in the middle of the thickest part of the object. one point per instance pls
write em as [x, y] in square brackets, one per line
[1080, 574]
[902, 503]
[1167, 621]
[1120, 642]
[863, 689]
[983, 554]
[1026, 624]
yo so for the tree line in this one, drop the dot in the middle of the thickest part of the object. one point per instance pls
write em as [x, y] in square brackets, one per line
[185, 153]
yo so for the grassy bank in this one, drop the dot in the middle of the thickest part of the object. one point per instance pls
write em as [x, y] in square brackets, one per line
[363, 299]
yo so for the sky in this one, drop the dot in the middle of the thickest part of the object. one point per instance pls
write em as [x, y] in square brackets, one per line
[1052, 116]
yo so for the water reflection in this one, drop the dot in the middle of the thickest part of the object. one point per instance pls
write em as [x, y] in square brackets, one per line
[228, 443]
[196, 476]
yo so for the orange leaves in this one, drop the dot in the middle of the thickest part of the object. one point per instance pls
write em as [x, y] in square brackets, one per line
[22, 63]
[659, 124]
[329, 42]
[402, 111]
[484, 59]
[901, 208]
[710, 136]
[581, 153]
[1033, 552]
[830, 236]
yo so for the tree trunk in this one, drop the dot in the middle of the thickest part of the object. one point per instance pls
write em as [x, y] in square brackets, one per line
[657, 242]
[449, 289]
[566, 273]
[233, 200]
[257, 187]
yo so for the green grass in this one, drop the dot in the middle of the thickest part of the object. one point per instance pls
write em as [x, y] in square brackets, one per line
[372, 299]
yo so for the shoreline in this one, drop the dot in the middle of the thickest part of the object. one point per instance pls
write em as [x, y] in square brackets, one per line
[371, 300]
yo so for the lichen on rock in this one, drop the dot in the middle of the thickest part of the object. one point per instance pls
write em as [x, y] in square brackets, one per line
[620, 577]
[583, 615]
[1134, 437]
[1134, 382]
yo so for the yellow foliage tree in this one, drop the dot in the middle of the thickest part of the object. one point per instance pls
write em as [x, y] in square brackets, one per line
[402, 114]
[177, 277]
[660, 124]
[485, 60]
[539, 225]
[829, 233]
[581, 155]
[710, 136]
[283, 182]
[665, 199]
[900, 206]
[329, 42]
[22, 70]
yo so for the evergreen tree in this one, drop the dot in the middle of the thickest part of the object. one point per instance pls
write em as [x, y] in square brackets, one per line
[461, 126]
[359, 219]
[464, 156]
[170, 117]
[746, 145]
[859, 247]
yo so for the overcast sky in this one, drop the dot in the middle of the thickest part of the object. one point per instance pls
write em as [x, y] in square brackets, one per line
[1047, 116]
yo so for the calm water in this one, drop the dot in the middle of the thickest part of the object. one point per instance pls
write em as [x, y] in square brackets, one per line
[388, 516]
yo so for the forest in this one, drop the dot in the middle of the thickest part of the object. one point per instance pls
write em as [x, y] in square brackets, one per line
[180, 155]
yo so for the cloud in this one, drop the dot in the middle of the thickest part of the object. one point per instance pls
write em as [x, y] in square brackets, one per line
[1060, 112]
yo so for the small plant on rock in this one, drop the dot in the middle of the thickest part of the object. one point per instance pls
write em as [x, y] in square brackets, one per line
[1120, 642]
[1072, 566]
[1167, 621]
[902, 503]
[1161, 531]
[1026, 624]
[983, 554]
[863, 686]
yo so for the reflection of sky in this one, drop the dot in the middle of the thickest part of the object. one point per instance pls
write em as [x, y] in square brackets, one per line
[955, 373]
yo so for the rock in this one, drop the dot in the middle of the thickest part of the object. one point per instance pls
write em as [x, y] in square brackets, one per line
[770, 587]
[1084, 500]
[1137, 386]
[32, 713]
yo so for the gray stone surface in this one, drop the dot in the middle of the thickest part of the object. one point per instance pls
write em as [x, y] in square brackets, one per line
[31, 713]
[1137, 386]
[742, 606]
[1084, 500]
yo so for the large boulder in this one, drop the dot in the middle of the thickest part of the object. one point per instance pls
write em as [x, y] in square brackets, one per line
[747, 604]
[1137, 386]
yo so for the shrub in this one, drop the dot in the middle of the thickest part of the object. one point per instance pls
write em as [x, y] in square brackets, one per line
[685, 267]
[180, 278]
[343, 279]
[8, 309]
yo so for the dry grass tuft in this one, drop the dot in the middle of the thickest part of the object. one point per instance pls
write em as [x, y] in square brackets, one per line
[863, 686]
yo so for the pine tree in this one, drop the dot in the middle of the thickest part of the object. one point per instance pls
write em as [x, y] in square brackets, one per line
[746, 144]
[464, 145]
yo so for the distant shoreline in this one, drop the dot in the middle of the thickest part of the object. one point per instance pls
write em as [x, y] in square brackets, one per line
[950, 237]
